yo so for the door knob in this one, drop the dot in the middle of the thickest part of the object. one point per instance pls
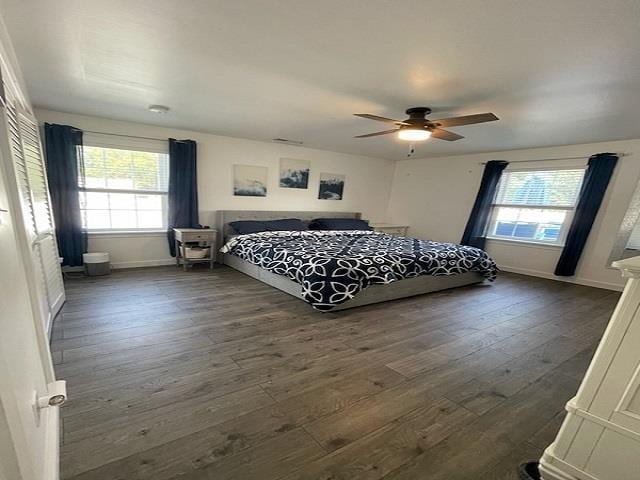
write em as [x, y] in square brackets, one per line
[56, 395]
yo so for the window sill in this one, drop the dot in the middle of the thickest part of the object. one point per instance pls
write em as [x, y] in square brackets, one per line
[127, 233]
[527, 243]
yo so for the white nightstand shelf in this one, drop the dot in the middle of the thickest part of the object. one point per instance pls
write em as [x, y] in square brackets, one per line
[203, 236]
[390, 228]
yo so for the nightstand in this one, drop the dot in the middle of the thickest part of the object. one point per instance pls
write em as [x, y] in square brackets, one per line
[390, 228]
[204, 237]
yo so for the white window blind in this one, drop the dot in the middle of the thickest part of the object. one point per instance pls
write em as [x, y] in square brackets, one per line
[123, 189]
[634, 239]
[546, 188]
[535, 205]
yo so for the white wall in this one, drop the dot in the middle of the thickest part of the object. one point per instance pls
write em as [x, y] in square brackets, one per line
[435, 195]
[367, 186]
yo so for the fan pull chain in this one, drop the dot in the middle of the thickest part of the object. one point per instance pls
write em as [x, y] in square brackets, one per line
[411, 150]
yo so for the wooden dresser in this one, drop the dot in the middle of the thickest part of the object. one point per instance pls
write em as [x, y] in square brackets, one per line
[600, 436]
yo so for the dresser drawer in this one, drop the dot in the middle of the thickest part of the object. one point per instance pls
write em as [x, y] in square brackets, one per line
[196, 236]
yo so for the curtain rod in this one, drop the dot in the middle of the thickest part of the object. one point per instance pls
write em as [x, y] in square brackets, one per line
[559, 158]
[126, 136]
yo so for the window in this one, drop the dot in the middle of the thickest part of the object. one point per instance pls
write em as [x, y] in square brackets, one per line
[123, 189]
[535, 205]
[634, 239]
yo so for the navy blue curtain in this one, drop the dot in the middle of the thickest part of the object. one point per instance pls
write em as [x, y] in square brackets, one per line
[475, 232]
[596, 179]
[183, 188]
[63, 147]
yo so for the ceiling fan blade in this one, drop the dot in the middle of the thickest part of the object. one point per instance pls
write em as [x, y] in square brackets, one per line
[376, 133]
[465, 120]
[380, 119]
[445, 135]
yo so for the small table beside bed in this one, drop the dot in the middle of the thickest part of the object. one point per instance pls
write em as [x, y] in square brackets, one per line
[334, 261]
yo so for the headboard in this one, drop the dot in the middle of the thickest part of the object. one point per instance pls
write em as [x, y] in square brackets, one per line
[224, 217]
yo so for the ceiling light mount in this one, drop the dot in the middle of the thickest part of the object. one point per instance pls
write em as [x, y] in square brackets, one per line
[418, 113]
[160, 109]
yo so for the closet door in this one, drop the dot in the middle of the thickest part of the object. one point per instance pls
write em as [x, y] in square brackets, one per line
[24, 142]
[45, 240]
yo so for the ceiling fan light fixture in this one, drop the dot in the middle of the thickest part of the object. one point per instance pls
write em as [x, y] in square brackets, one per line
[413, 134]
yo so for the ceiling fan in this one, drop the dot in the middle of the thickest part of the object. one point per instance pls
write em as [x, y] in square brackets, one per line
[417, 127]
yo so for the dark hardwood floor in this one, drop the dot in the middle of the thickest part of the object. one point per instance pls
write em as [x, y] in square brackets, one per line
[214, 375]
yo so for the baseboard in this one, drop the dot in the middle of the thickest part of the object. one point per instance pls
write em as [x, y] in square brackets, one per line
[143, 263]
[577, 280]
[66, 269]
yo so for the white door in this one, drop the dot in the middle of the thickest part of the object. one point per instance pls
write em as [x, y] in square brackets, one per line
[23, 143]
[44, 245]
[28, 435]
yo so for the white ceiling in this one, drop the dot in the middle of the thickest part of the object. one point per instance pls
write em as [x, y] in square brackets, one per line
[555, 71]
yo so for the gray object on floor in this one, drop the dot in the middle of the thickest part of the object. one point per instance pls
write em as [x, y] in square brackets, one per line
[96, 264]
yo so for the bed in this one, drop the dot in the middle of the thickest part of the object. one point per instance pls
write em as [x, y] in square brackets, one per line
[338, 270]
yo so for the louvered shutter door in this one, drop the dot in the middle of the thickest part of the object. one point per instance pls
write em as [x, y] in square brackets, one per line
[22, 179]
[20, 167]
[24, 142]
[35, 172]
[43, 216]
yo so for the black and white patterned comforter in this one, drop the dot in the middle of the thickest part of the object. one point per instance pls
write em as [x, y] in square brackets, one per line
[333, 266]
